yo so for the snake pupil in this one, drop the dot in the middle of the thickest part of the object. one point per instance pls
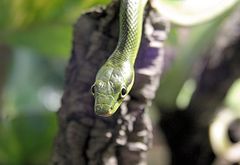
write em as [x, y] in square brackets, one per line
[93, 89]
[124, 92]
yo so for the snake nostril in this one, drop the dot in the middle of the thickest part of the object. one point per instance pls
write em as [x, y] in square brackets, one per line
[98, 109]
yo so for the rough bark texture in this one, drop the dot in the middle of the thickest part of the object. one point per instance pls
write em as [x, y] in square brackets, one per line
[187, 130]
[124, 138]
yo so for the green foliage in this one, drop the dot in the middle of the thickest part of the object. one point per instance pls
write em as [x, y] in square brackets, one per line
[190, 45]
[31, 74]
[189, 51]
[41, 24]
[50, 40]
[20, 14]
[28, 127]
[33, 29]
[184, 96]
[27, 139]
[40, 34]
[232, 98]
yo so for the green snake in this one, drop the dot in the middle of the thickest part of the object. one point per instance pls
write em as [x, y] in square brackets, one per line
[115, 78]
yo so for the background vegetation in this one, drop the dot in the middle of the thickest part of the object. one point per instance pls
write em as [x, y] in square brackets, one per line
[35, 44]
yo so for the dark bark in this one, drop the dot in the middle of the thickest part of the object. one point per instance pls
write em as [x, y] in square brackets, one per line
[187, 130]
[124, 138]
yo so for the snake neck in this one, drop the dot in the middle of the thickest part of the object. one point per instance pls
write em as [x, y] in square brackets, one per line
[130, 32]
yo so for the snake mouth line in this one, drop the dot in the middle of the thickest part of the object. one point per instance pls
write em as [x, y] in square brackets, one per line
[103, 114]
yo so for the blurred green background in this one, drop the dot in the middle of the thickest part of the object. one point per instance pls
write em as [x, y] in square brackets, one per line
[35, 44]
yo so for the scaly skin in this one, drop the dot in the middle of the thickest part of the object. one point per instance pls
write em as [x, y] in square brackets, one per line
[115, 78]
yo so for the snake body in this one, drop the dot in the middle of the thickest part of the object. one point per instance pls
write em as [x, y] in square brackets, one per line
[115, 78]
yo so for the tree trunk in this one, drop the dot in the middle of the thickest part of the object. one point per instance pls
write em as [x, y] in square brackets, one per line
[124, 138]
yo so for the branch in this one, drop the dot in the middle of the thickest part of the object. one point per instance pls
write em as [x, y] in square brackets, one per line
[124, 138]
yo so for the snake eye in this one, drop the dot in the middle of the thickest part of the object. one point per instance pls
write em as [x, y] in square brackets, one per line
[123, 92]
[93, 89]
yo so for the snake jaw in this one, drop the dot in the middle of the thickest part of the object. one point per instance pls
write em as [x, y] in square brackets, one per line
[105, 110]
[100, 111]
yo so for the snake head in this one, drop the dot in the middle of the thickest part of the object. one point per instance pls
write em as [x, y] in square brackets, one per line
[111, 86]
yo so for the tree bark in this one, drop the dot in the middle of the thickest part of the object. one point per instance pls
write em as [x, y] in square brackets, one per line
[187, 130]
[124, 138]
